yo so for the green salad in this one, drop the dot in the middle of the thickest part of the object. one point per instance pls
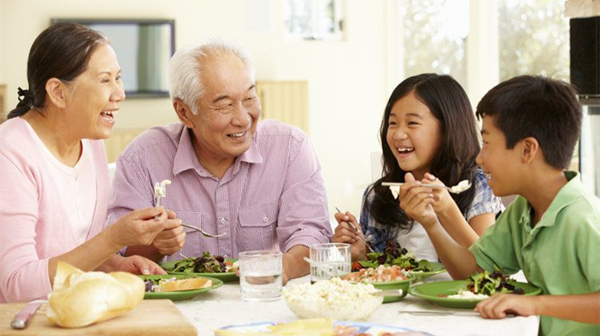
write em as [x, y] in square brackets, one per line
[394, 255]
[207, 263]
[491, 283]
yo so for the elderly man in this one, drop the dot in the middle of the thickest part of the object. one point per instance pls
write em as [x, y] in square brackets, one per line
[260, 183]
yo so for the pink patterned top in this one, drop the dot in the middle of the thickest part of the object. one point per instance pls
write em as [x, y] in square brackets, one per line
[35, 224]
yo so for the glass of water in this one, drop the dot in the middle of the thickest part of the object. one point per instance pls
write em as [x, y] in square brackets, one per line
[260, 275]
[331, 258]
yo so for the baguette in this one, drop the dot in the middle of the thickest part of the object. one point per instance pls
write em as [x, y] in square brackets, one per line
[82, 298]
[184, 284]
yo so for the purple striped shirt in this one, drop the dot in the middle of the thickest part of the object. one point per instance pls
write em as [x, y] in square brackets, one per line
[271, 198]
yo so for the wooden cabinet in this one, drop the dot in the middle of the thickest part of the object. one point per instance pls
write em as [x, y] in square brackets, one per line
[119, 140]
[286, 101]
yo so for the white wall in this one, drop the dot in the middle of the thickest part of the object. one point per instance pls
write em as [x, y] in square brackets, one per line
[348, 81]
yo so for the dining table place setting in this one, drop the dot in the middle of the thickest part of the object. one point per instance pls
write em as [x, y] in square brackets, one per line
[332, 299]
[224, 309]
[325, 299]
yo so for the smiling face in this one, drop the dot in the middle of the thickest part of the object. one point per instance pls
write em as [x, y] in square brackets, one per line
[94, 97]
[228, 110]
[413, 134]
[498, 162]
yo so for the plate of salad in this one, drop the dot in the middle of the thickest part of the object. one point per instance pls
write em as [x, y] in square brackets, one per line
[384, 278]
[153, 281]
[395, 255]
[467, 293]
[213, 266]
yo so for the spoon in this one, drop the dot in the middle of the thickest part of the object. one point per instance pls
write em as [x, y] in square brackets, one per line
[391, 292]
[321, 267]
[204, 233]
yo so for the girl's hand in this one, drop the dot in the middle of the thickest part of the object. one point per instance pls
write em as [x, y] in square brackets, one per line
[417, 201]
[139, 227]
[344, 233]
[442, 201]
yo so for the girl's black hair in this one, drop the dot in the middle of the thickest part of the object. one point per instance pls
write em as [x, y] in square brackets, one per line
[61, 51]
[455, 159]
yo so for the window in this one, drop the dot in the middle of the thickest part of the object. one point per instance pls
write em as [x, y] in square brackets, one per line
[534, 38]
[314, 19]
[481, 43]
[434, 35]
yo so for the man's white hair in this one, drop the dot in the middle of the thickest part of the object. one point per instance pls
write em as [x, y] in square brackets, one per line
[187, 64]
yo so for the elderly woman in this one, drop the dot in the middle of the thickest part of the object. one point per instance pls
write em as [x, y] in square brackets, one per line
[53, 170]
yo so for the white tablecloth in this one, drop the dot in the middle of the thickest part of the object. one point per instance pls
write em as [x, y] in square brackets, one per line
[223, 307]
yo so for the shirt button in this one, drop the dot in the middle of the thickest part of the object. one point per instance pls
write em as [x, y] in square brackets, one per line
[222, 220]
[265, 219]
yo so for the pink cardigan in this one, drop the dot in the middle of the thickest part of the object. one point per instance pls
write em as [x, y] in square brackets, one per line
[32, 225]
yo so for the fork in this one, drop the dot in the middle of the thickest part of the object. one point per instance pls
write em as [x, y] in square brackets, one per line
[204, 233]
[356, 230]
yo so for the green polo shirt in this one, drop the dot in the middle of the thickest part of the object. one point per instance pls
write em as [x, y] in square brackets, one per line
[560, 255]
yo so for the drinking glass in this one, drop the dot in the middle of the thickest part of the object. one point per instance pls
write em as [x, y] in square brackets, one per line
[260, 275]
[334, 258]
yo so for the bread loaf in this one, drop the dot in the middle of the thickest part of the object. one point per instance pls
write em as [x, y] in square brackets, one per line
[184, 284]
[82, 298]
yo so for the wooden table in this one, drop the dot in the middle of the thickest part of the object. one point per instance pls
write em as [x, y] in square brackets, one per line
[150, 317]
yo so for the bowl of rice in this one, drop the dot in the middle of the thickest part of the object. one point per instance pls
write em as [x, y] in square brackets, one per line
[334, 298]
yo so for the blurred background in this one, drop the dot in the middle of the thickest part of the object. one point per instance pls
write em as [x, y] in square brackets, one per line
[327, 66]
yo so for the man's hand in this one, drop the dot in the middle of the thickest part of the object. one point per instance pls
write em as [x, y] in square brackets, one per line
[294, 265]
[172, 238]
[499, 305]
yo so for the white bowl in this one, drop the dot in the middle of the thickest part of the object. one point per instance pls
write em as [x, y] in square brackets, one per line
[337, 299]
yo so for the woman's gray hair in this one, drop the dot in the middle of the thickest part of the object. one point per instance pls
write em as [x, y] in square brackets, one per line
[186, 66]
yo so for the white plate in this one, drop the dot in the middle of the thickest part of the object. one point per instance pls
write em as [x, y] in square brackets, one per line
[346, 328]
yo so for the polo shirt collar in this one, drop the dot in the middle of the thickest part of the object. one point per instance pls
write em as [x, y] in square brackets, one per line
[185, 157]
[565, 196]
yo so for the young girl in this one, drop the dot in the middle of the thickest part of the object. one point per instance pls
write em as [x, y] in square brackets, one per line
[428, 136]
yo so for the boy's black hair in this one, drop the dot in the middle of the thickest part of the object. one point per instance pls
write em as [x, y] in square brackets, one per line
[539, 107]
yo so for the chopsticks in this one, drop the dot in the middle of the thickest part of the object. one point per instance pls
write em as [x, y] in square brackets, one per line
[445, 313]
[438, 312]
[356, 230]
[397, 184]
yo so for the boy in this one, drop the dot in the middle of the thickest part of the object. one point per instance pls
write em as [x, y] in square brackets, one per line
[552, 230]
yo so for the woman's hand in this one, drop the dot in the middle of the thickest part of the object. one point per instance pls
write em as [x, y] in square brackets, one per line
[138, 265]
[417, 201]
[345, 233]
[172, 238]
[139, 227]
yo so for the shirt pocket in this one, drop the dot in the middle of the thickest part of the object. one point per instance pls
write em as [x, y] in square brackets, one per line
[257, 226]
